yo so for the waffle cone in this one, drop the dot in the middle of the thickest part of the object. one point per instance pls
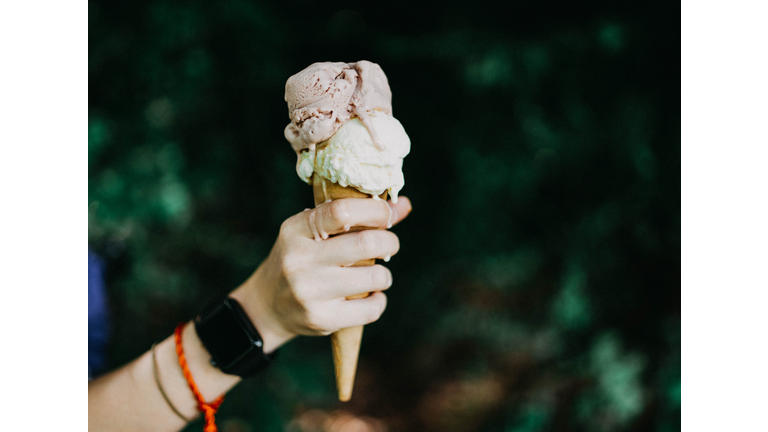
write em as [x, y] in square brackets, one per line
[345, 342]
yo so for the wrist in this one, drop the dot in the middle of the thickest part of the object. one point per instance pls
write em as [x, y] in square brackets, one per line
[253, 297]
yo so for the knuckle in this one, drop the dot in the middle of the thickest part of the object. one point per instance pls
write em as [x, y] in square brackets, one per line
[367, 243]
[339, 212]
[315, 322]
[291, 264]
[285, 227]
[301, 293]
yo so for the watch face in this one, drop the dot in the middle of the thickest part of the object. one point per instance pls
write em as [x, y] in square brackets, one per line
[226, 342]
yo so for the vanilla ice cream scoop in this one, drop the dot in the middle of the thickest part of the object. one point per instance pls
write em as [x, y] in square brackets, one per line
[350, 157]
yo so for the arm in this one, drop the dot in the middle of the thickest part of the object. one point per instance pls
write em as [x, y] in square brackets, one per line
[299, 289]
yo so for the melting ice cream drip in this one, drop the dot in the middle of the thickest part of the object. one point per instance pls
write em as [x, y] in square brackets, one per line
[366, 121]
[325, 191]
[393, 194]
[389, 220]
[315, 221]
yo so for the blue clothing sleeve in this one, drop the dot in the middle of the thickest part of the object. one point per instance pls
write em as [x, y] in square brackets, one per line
[98, 316]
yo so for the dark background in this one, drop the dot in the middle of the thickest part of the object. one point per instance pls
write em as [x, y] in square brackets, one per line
[538, 283]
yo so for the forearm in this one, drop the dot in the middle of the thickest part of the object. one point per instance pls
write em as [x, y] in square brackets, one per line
[128, 399]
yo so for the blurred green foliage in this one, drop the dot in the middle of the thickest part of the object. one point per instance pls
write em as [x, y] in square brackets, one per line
[537, 287]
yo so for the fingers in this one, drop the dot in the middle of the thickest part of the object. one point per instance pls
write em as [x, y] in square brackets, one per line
[360, 312]
[347, 249]
[340, 215]
[340, 313]
[317, 277]
[402, 208]
[338, 283]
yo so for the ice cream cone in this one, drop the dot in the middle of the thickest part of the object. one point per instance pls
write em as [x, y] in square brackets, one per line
[361, 145]
[345, 342]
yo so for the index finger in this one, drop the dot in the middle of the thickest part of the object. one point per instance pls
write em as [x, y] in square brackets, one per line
[403, 208]
[341, 215]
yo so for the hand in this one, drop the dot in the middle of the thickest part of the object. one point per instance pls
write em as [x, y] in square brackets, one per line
[300, 288]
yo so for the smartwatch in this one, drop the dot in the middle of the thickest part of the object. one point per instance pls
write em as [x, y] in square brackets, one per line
[231, 339]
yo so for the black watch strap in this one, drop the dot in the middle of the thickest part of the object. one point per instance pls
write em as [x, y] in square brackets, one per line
[231, 338]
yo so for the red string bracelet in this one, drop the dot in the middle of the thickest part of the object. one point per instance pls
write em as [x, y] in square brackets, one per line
[209, 409]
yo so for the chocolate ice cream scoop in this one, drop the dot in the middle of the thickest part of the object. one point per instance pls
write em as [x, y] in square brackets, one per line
[325, 95]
